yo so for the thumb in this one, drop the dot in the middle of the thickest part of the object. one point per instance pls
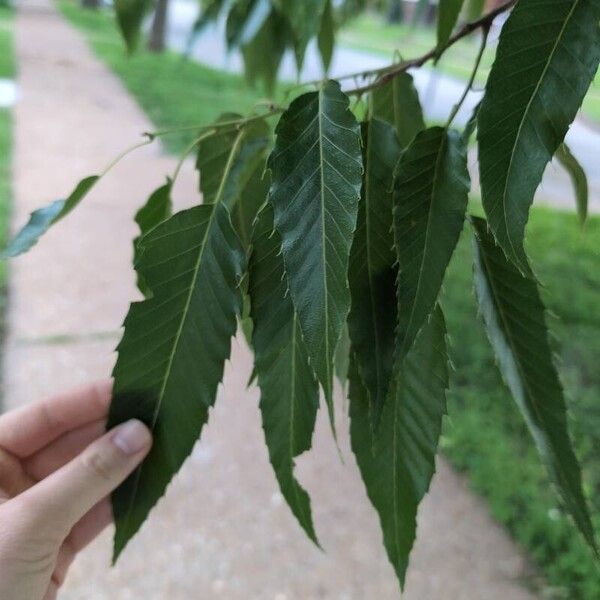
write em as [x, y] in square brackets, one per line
[62, 499]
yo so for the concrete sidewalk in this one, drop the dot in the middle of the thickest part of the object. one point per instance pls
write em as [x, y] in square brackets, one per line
[223, 530]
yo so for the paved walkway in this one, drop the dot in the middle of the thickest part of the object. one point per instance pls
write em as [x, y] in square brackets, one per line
[222, 531]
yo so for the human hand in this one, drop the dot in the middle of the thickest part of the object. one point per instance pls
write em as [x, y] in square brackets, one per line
[57, 467]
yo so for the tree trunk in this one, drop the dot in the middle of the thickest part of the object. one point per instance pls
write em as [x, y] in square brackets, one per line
[90, 4]
[395, 12]
[156, 42]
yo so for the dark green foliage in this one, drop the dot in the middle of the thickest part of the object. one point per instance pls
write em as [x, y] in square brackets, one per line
[331, 253]
[289, 390]
[515, 323]
[578, 178]
[130, 15]
[316, 167]
[535, 88]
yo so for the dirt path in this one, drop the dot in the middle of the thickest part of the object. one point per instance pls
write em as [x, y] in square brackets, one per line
[223, 530]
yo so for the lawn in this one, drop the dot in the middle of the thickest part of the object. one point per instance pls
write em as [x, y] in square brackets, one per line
[484, 434]
[369, 32]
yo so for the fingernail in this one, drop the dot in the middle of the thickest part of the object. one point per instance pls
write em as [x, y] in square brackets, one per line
[131, 437]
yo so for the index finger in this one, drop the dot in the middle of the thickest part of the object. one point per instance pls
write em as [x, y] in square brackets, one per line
[28, 429]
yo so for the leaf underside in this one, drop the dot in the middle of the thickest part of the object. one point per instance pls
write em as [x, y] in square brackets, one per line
[515, 323]
[430, 200]
[289, 390]
[397, 465]
[171, 358]
[316, 168]
[547, 56]
[372, 272]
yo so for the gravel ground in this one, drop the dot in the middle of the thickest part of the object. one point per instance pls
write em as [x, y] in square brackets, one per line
[223, 530]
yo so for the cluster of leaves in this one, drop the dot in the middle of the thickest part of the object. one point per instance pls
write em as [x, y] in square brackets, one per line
[331, 237]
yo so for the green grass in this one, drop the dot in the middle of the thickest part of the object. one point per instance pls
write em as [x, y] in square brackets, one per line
[371, 33]
[173, 92]
[484, 434]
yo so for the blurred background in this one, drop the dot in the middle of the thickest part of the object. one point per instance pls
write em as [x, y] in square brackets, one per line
[70, 100]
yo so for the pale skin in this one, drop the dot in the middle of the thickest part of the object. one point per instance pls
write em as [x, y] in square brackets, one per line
[57, 468]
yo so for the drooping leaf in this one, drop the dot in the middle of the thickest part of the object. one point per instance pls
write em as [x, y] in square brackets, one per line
[252, 197]
[448, 13]
[42, 219]
[547, 56]
[227, 160]
[289, 391]
[130, 15]
[430, 199]
[171, 358]
[578, 177]
[263, 54]
[514, 319]
[471, 124]
[305, 20]
[474, 9]
[326, 37]
[245, 20]
[372, 271]
[341, 362]
[157, 209]
[316, 170]
[397, 102]
[209, 14]
[397, 465]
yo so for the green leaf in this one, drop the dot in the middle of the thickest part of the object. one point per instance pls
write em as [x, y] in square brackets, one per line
[42, 219]
[305, 20]
[316, 170]
[397, 102]
[171, 358]
[397, 465]
[471, 124]
[252, 197]
[372, 272]
[227, 160]
[130, 16]
[547, 56]
[578, 177]
[157, 209]
[448, 12]
[245, 20]
[326, 37]
[208, 14]
[515, 323]
[289, 391]
[430, 200]
[262, 56]
[341, 360]
[474, 9]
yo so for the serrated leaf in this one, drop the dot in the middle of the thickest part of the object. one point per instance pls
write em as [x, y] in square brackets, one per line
[448, 12]
[316, 170]
[305, 20]
[130, 16]
[252, 197]
[263, 54]
[513, 314]
[326, 37]
[372, 271]
[398, 464]
[227, 160]
[547, 56]
[245, 20]
[430, 200]
[157, 209]
[397, 102]
[171, 358]
[578, 178]
[289, 391]
[42, 219]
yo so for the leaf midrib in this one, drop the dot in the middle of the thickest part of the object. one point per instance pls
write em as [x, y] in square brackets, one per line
[184, 313]
[557, 42]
